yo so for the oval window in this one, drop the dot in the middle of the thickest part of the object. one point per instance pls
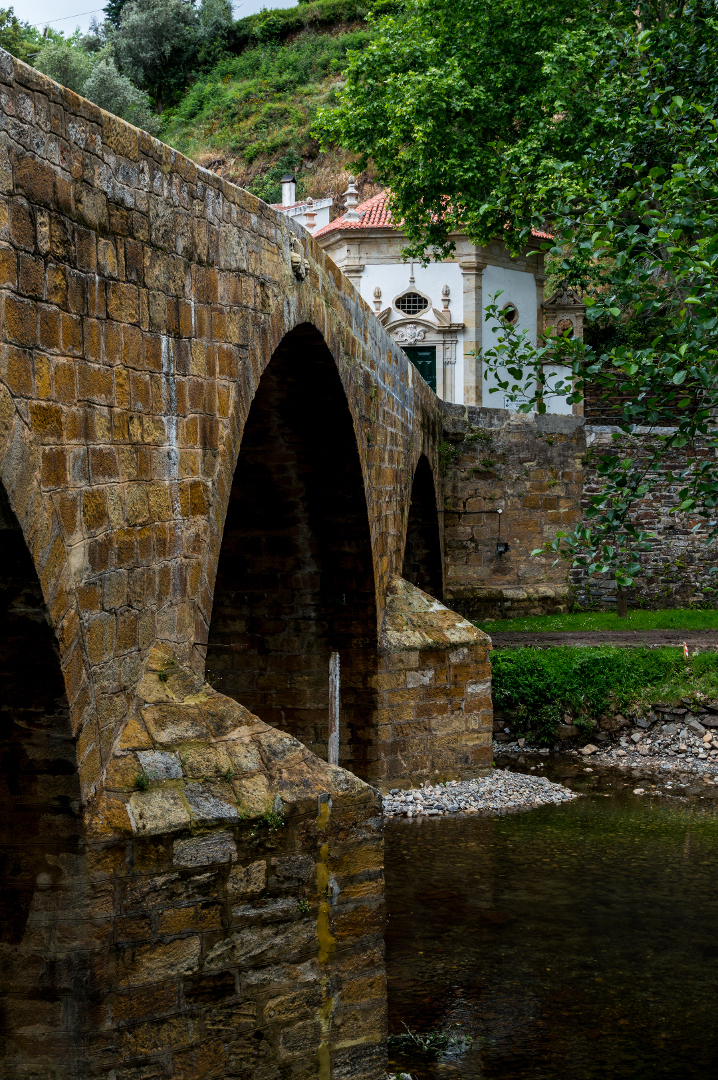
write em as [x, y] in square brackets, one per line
[411, 303]
[510, 314]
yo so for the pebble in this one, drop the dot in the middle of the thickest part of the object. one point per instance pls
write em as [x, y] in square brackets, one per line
[502, 790]
[662, 746]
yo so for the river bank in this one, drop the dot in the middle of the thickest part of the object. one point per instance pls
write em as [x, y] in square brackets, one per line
[678, 743]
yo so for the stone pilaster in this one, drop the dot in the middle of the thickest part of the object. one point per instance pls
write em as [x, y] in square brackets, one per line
[472, 268]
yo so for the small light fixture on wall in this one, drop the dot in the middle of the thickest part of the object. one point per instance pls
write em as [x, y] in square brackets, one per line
[501, 545]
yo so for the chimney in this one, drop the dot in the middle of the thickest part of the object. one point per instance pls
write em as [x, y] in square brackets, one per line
[289, 191]
[351, 197]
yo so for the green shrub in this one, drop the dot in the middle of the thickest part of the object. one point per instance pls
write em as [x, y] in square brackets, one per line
[277, 24]
[262, 103]
[536, 686]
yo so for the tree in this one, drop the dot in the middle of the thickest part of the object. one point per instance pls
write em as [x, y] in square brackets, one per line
[155, 45]
[65, 63]
[636, 220]
[19, 38]
[113, 11]
[114, 92]
[610, 139]
[445, 95]
[215, 22]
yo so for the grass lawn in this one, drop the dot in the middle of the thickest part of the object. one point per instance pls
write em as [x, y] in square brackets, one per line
[670, 619]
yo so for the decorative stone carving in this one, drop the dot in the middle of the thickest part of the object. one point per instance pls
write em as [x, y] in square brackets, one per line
[564, 311]
[300, 265]
[410, 334]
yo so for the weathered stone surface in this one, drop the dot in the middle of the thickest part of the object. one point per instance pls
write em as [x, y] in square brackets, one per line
[531, 469]
[437, 719]
[151, 324]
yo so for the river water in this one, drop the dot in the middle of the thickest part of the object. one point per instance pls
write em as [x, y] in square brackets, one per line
[574, 942]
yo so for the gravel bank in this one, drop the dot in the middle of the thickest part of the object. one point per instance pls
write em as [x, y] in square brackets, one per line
[684, 745]
[501, 791]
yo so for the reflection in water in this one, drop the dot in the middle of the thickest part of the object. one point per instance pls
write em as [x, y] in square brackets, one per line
[572, 942]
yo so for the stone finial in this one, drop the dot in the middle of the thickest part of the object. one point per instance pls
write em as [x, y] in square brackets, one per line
[377, 299]
[351, 198]
[310, 216]
[443, 317]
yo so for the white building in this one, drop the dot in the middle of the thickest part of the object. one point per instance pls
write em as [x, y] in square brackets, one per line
[311, 213]
[437, 313]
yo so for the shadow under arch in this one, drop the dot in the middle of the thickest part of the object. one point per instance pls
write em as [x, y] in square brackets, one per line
[40, 821]
[295, 576]
[422, 551]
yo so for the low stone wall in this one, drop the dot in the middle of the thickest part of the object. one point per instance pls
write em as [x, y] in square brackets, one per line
[222, 915]
[530, 469]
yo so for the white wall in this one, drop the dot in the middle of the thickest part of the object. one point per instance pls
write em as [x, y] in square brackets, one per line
[393, 280]
[558, 405]
[518, 287]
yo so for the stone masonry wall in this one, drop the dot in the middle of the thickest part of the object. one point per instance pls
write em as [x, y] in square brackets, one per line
[222, 920]
[677, 571]
[528, 467]
[435, 678]
[208, 896]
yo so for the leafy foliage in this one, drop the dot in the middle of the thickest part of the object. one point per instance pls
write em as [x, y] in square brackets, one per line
[448, 100]
[599, 122]
[262, 103]
[636, 224]
[278, 24]
[114, 92]
[19, 38]
[65, 63]
[155, 45]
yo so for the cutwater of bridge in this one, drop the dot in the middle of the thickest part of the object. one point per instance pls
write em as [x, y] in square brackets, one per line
[217, 472]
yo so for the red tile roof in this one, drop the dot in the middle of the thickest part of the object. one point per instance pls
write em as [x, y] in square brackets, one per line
[377, 215]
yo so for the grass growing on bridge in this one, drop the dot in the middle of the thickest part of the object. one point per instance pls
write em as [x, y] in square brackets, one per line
[537, 686]
[582, 621]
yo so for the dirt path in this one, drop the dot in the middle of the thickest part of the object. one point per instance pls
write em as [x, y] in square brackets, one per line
[703, 640]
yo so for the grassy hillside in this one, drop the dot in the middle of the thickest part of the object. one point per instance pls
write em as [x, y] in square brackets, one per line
[250, 117]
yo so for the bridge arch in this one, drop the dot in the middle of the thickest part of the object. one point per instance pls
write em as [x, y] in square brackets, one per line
[423, 563]
[40, 809]
[295, 574]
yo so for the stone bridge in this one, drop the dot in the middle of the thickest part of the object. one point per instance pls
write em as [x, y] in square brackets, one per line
[217, 471]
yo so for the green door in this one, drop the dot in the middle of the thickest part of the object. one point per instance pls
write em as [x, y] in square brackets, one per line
[423, 357]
